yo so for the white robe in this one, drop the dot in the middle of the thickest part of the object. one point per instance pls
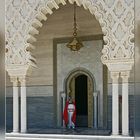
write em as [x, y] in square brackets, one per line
[71, 109]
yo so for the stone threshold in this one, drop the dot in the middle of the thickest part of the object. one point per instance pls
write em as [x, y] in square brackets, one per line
[20, 136]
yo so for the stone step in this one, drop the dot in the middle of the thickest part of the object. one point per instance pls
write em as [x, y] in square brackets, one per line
[19, 136]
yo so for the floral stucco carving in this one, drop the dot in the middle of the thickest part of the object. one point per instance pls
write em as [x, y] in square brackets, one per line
[116, 18]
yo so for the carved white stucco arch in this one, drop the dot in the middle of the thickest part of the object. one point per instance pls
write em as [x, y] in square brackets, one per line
[116, 18]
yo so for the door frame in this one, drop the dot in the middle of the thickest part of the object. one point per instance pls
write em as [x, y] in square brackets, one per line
[91, 88]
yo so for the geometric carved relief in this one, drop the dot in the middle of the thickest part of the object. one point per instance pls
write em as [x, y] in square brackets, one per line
[121, 25]
[116, 18]
[128, 2]
[119, 9]
[110, 20]
[119, 32]
[109, 3]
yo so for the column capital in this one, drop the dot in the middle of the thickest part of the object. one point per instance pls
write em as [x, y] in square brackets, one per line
[114, 76]
[63, 95]
[14, 80]
[22, 80]
[95, 94]
[125, 75]
[120, 65]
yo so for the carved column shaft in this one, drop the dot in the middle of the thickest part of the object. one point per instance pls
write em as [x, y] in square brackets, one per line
[125, 103]
[63, 96]
[115, 104]
[15, 105]
[23, 105]
[95, 94]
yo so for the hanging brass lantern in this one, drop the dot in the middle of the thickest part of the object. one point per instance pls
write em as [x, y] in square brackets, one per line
[75, 44]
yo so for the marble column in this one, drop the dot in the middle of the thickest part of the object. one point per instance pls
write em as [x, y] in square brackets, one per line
[95, 95]
[125, 103]
[63, 96]
[115, 103]
[23, 105]
[15, 105]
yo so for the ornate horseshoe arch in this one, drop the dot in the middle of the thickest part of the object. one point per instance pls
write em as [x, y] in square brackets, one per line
[23, 19]
[19, 45]
[93, 8]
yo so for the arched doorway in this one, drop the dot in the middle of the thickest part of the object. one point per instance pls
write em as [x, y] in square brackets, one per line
[81, 100]
[80, 87]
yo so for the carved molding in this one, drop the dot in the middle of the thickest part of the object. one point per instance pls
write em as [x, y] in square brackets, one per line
[120, 66]
[19, 70]
[116, 18]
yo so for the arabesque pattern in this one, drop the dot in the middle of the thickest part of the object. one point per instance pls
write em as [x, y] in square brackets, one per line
[116, 18]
